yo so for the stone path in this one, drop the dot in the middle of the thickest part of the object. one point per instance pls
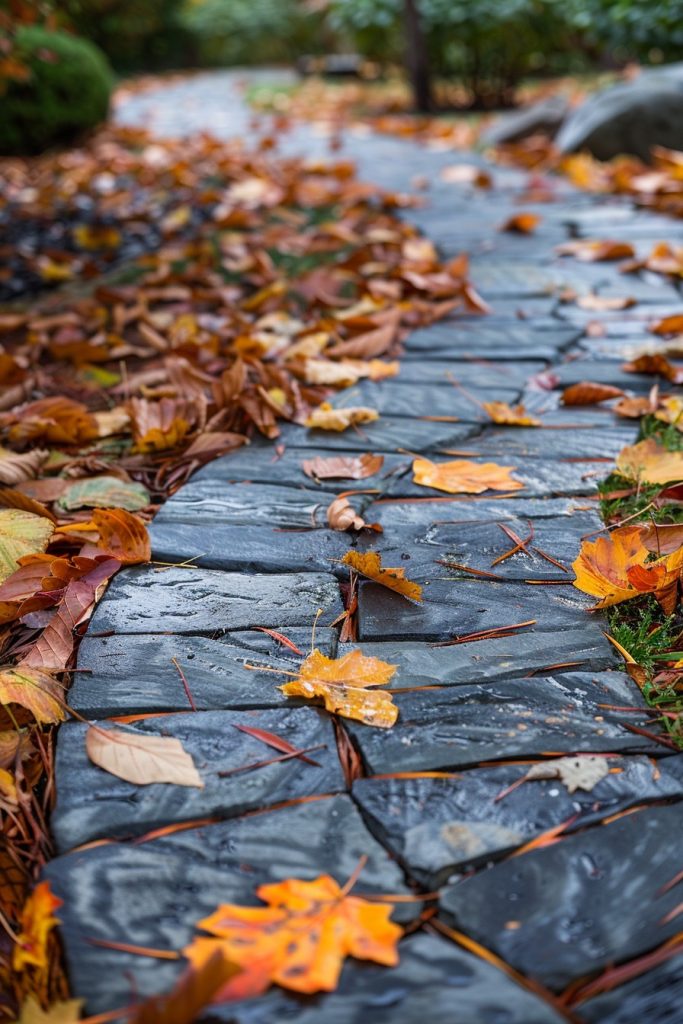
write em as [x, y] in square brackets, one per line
[555, 914]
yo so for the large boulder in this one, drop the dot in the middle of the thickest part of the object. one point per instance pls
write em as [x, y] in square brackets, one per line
[629, 118]
[542, 118]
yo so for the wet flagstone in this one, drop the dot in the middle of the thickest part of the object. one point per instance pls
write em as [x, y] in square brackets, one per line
[437, 827]
[135, 674]
[457, 727]
[573, 908]
[251, 548]
[97, 805]
[157, 890]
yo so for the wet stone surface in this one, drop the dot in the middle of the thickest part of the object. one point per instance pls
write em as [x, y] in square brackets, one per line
[186, 600]
[458, 606]
[135, 674]
[93, 804]
[157, 890]
[654, 996]
[579, 905]
[246, 504]
[457, 727]
[437, 827]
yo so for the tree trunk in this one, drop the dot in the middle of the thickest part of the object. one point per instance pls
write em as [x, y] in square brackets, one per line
[417, 58]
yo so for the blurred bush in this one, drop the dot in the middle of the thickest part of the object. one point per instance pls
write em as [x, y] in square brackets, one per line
[64, 90]
[255, 31]
[136, 35]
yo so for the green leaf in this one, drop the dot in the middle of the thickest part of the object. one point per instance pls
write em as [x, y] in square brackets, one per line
[104, 492]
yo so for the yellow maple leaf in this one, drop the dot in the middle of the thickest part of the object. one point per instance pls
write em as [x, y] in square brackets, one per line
[650, 463]
[370, 565]
[342, 684]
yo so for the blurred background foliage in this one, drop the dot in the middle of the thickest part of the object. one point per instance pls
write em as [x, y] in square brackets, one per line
[486, 46]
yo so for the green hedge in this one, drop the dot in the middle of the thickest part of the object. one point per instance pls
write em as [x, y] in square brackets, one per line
[67, 92]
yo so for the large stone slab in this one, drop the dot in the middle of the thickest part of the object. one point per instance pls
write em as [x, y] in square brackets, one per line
[393, 513]
[439, 826]
[654, 996]
[388, 434]
[456, 607]
[588, 901]
[186, 600]
[93, 804]
[524, 654]
[156, 891]
[134, 674]
[248, 549]
[393, 399]
[600, 372]
[502, 342]
[476, 546]
[457, 727]
[247, 504]
[422, 987]
[603, 440]
[417, 368]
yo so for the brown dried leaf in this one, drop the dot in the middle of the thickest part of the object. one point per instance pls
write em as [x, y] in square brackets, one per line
[521, 223]
[343, 467]
[37, 691]
[141, 758]
[511, 416]
[461, 476]
[325, 417]
[588, 393]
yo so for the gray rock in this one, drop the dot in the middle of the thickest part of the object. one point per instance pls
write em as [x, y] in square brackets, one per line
[457, 727]
[631, 117]
[591, 900]
[186, 600]
[156, 891]
[542, 118]
[134, 674]
[93, 804]
[439, 826]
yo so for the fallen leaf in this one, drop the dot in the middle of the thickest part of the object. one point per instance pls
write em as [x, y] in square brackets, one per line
[650, 463]
[341, 515]
[21, 533]
[509, 415]
[15, 467]
[466, 174]
[588, 393]
[36, 922]
[615, 568]
[66, 1012]
[58, 420]
[656, 364]
[141, 758]
[583, 772]
[671, 411]
[662, 538]
[633, 408]
[37, 691]
[370, 565]
[461, 476]
[195, 990]
[300, 940]
[342, 684]
[605, 303]
[668, 325]
[594, 251]
[104, 492]
[325, 417]
[522, 223]
[122, 535]
[343, 467]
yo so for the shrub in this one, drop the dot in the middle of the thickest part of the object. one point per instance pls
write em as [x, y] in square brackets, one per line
[136, 35]
[65, 93]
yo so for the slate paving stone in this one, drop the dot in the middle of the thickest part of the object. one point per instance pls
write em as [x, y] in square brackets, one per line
[477, 546]
[394, 399]
[212, 545]
[437, 827]
[540, 477]
[260, 464]
[186, 600]
[433, 977]
[134, 674]
[584, 443]
[506, 341]
[516, 278]
[600, 372]
[388, 434]
[93, 804]
[458, 727]
[591, 900]
[156, 891]
[524, 654]
[655, 996]
[453, 607]
[394, 513]
[246, 504]
[480, 373]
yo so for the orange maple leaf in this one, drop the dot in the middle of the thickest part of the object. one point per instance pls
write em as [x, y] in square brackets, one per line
[342, 683]
[370, 565]
[299, 941]
[460, 476]
[509, 415]
[37, 921]
[615, 568]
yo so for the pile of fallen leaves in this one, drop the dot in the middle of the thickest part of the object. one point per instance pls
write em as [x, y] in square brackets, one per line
[264, 285]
